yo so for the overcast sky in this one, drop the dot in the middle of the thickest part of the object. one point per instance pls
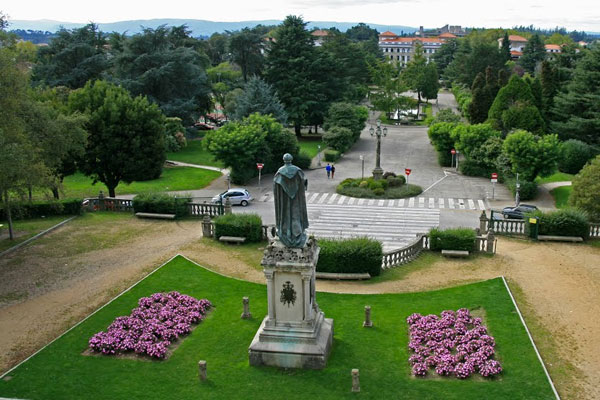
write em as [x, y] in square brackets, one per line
[576, 14]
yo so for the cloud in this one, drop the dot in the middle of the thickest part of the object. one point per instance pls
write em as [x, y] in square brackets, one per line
[345, 3]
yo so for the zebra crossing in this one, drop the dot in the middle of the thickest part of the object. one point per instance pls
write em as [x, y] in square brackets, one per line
[395, 227]
[412, 202]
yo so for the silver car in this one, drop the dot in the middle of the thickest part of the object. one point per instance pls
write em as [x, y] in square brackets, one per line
[236, 196]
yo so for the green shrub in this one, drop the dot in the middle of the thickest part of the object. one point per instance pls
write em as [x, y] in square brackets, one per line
[302, 160]
[331, 155]
[444, 115]
[378, 191]
[473, 168]
[338, 138]
[586, 187]
[42, 209]
[388, 174]
[394, 181]
[244, 225]
[528, 189]
[574, 154]
[369, 188]
[161, 203]
[452, 239]
[379, 184]
[358, 255]
[363, 184]
[564, 222]
[408, 190]
[444, 158]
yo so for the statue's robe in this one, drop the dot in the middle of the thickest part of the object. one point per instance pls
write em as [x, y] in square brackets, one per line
[291, 217]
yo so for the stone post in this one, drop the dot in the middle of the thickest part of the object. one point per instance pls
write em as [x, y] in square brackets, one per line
[246, 314]
[206, 226]
[483, 223]
[491, 238]
[368, 323]
[202, 370]
[355, 381]
[227, 206]
[101, 205]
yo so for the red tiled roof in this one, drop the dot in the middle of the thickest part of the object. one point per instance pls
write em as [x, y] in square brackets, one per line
[447, 35]
[412, 39]
[552, 47]
[516, 38]
[320, 32]
[516, 53]
[388, 33]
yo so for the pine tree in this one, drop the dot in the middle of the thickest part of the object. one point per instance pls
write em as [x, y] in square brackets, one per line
[534, 52]
[505, 49]
[259, 97]
[549, 81]
[477, 107]
[576, 111]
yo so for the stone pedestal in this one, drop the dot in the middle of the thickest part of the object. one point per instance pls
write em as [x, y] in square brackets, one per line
[295, 333]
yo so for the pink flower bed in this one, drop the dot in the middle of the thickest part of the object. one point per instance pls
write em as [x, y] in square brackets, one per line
[455, 344]
[150, 328]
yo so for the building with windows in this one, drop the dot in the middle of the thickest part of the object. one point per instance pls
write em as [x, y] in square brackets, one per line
[401, 50]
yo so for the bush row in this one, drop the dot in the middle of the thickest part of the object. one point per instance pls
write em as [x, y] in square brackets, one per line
[161, 203]
[565, 222]
[243, 225]
[391, 187]
[463, 98]
[42, 209]
[528, 190]
[452, 239]
[358, 255]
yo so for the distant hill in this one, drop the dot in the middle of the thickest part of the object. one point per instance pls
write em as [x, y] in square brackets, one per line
[197, 26]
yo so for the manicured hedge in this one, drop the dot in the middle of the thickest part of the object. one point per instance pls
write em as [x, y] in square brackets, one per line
[528, 190]
[565, 222]
[243, 225]
[161, 203]
[43, 209]
[394, 187]
[356, 255]
[452, 239]
[331, 155]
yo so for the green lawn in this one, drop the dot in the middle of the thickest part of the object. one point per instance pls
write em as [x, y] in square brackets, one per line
[561, 196]
[179, 178]
[61, 371]
[24, 229]
[310, 147]
[556, 177]
[194, 153]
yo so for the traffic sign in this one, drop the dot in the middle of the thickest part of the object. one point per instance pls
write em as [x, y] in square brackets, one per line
[407, 171]
[453, 151]
[260, 165]
[494, 175]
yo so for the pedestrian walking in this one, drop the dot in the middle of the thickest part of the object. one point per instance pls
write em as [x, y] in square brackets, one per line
[332, 170]
[328, 169]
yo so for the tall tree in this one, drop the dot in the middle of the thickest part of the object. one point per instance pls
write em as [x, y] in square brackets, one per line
[530, 155]
[126, 135]
[223, 79]
[473, 58]
[259, 97]
[167, 66]
[479, 107]
[549, 81]
[445, 55]
[72, 58]
[362, 32]
[505, 49]
[388, 87]
[430, 84]
[533, 53]
[287, 69]
[246, 47]
[576, 111]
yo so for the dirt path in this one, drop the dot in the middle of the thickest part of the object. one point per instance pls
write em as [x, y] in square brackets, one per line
[557, 287]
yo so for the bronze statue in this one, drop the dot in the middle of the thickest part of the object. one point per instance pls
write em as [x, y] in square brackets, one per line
[291, 217]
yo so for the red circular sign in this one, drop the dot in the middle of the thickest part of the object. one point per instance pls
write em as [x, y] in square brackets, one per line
[494, 175]
[453, 151]
[407, 171]
[260, 165]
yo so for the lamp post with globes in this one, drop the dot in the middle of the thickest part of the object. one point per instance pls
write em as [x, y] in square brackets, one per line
[378, 132]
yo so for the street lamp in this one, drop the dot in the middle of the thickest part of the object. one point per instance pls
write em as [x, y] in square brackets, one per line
[517, 194]
[228, 179]
[319, 154]
[362, 158]
[378, 172]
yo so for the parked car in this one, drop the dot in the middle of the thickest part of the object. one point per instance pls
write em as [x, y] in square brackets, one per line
[236, 196]
[518, 212]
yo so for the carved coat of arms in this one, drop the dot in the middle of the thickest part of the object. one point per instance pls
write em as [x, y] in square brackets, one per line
[288, 294]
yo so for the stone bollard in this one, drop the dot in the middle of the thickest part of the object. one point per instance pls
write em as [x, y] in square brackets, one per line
[227, 206]
[355, 381]
[246, 314]
[491, 238]
[101, 205]
[368, 323]
[483, 223]
[202, 370]
[206, 226]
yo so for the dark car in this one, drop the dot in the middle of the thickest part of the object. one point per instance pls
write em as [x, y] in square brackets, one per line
[518, 212]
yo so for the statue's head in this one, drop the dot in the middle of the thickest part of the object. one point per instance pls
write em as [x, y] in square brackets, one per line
[287, 158]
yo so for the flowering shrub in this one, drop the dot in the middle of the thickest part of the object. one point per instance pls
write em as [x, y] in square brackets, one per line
[454, 344]
[150, 328]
